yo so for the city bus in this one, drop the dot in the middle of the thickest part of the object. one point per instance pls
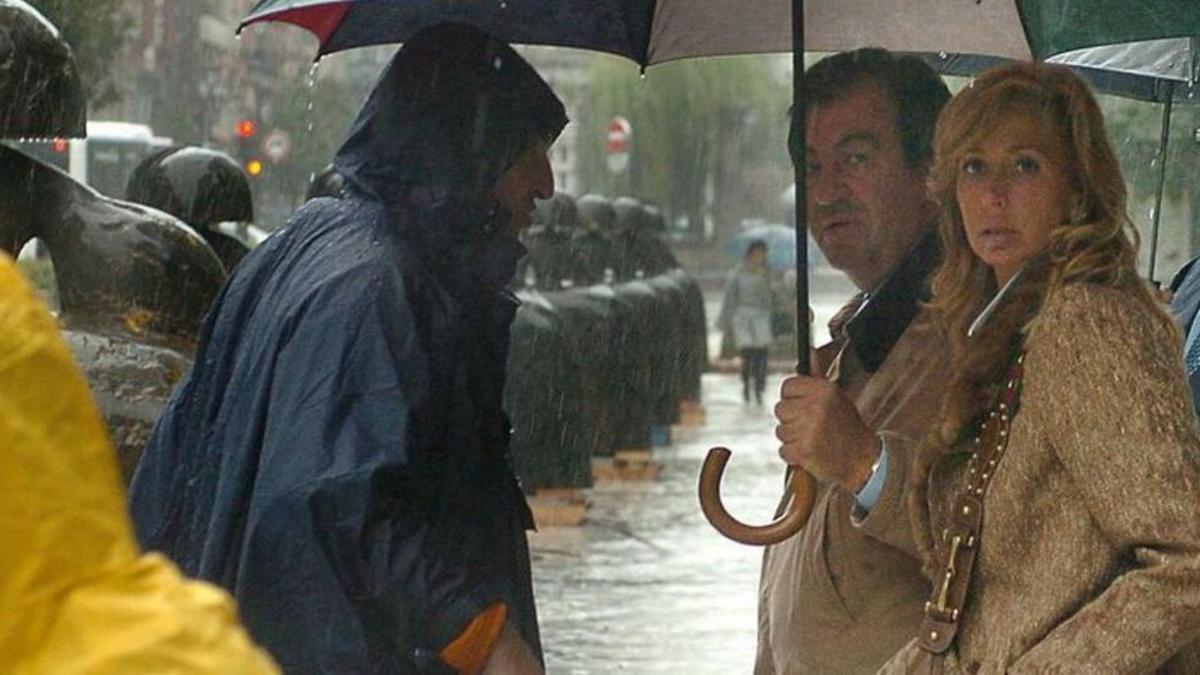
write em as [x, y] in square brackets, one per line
[105, 158]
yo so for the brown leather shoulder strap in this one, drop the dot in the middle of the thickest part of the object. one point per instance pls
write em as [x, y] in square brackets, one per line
[961, 537]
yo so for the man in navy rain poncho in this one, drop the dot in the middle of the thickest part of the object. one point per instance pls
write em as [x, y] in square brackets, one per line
[338, 457]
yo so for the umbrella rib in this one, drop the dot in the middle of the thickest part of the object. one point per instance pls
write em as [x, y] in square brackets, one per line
[1023, 16]
[321, 21]
[1164, 137]
[644, 48]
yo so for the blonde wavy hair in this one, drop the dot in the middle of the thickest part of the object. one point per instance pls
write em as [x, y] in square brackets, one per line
[1097, 245]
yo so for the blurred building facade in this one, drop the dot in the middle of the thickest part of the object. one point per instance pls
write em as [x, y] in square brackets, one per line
[188, 75]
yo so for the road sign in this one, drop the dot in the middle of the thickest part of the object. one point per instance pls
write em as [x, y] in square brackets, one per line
[277, 146]
[617, 135]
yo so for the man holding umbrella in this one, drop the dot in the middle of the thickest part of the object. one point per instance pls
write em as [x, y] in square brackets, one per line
[846, 592]
[338, 456]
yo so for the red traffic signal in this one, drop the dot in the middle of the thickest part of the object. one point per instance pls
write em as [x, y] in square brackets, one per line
[246, 128]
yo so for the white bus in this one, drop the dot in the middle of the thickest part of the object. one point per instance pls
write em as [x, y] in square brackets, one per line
[105, 158]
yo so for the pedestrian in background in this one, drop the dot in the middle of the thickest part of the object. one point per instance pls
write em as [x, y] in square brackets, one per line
[746, 314]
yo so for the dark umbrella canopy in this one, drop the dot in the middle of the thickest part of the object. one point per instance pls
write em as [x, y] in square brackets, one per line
[656, 31]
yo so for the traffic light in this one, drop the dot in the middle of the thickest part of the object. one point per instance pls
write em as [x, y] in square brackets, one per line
[248, 152]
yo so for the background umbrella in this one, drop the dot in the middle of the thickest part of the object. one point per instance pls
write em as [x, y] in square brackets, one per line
[1160, 71]
[654, 31]
[780, 241]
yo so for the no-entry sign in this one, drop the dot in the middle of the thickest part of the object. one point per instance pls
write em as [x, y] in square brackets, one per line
[617, 135]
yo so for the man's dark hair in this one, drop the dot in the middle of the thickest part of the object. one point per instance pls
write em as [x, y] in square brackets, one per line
[917, 93]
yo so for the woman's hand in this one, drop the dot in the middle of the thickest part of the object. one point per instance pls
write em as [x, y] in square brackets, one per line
[822, 432]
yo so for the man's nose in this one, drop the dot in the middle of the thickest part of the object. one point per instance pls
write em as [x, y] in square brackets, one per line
[828, 186]
[543, 179]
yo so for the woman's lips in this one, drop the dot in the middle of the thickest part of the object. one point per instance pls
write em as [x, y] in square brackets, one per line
[998, 238]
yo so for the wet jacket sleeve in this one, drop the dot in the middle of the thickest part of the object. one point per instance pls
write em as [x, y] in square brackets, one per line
[75, 593]
[354, 493]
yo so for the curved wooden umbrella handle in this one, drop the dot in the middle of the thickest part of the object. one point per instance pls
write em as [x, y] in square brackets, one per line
[800, 484]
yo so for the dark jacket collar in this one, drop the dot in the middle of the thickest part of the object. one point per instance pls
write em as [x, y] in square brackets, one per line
[884, 317]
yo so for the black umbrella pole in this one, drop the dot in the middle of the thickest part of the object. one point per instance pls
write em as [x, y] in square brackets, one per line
[800, 169]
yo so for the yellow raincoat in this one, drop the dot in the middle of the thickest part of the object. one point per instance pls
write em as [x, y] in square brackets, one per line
[76, 595]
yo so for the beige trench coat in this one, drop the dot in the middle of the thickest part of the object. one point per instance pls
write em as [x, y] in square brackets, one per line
[1090, 548]
[837, 598]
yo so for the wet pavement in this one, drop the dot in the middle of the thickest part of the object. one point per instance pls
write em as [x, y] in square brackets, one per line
[646, 585]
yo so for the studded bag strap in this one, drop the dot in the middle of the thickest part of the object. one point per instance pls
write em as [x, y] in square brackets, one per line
[939, 626]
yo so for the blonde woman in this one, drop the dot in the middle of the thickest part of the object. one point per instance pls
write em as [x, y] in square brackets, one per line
[1056, 507]
[1058, 504]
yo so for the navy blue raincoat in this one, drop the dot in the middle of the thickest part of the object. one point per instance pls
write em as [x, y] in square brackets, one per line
[338, 457]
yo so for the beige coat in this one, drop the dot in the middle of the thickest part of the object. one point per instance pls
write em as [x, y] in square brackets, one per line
[1090, 548]
[838, 598]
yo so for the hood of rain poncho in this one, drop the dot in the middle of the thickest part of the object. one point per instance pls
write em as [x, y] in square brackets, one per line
[453, 110]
